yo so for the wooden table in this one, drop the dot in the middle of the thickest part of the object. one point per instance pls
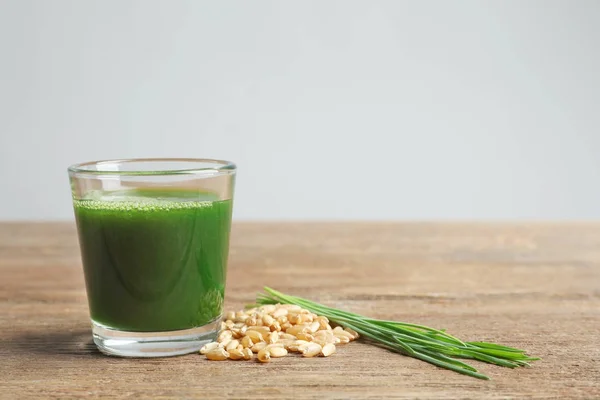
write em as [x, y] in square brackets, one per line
[533, 286]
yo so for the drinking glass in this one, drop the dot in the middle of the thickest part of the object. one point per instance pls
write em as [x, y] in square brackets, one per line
[154, 241]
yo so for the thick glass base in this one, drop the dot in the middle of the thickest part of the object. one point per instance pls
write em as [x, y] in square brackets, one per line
[153, 344]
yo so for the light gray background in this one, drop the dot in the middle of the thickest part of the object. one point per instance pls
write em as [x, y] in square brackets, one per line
[331, 109]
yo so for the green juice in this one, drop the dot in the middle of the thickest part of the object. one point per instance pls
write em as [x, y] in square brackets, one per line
[154, 260]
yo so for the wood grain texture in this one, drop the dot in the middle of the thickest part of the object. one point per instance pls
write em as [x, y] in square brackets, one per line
[531, 286]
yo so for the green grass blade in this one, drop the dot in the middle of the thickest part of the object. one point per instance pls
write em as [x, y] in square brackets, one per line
[431, 345]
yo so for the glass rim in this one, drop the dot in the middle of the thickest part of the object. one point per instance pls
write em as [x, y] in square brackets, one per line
[217, 167]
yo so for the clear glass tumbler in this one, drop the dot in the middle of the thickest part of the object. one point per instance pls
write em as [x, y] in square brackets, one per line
[154, 240]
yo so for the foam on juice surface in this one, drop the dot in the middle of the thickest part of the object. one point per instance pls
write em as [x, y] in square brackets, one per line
[146, 201]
